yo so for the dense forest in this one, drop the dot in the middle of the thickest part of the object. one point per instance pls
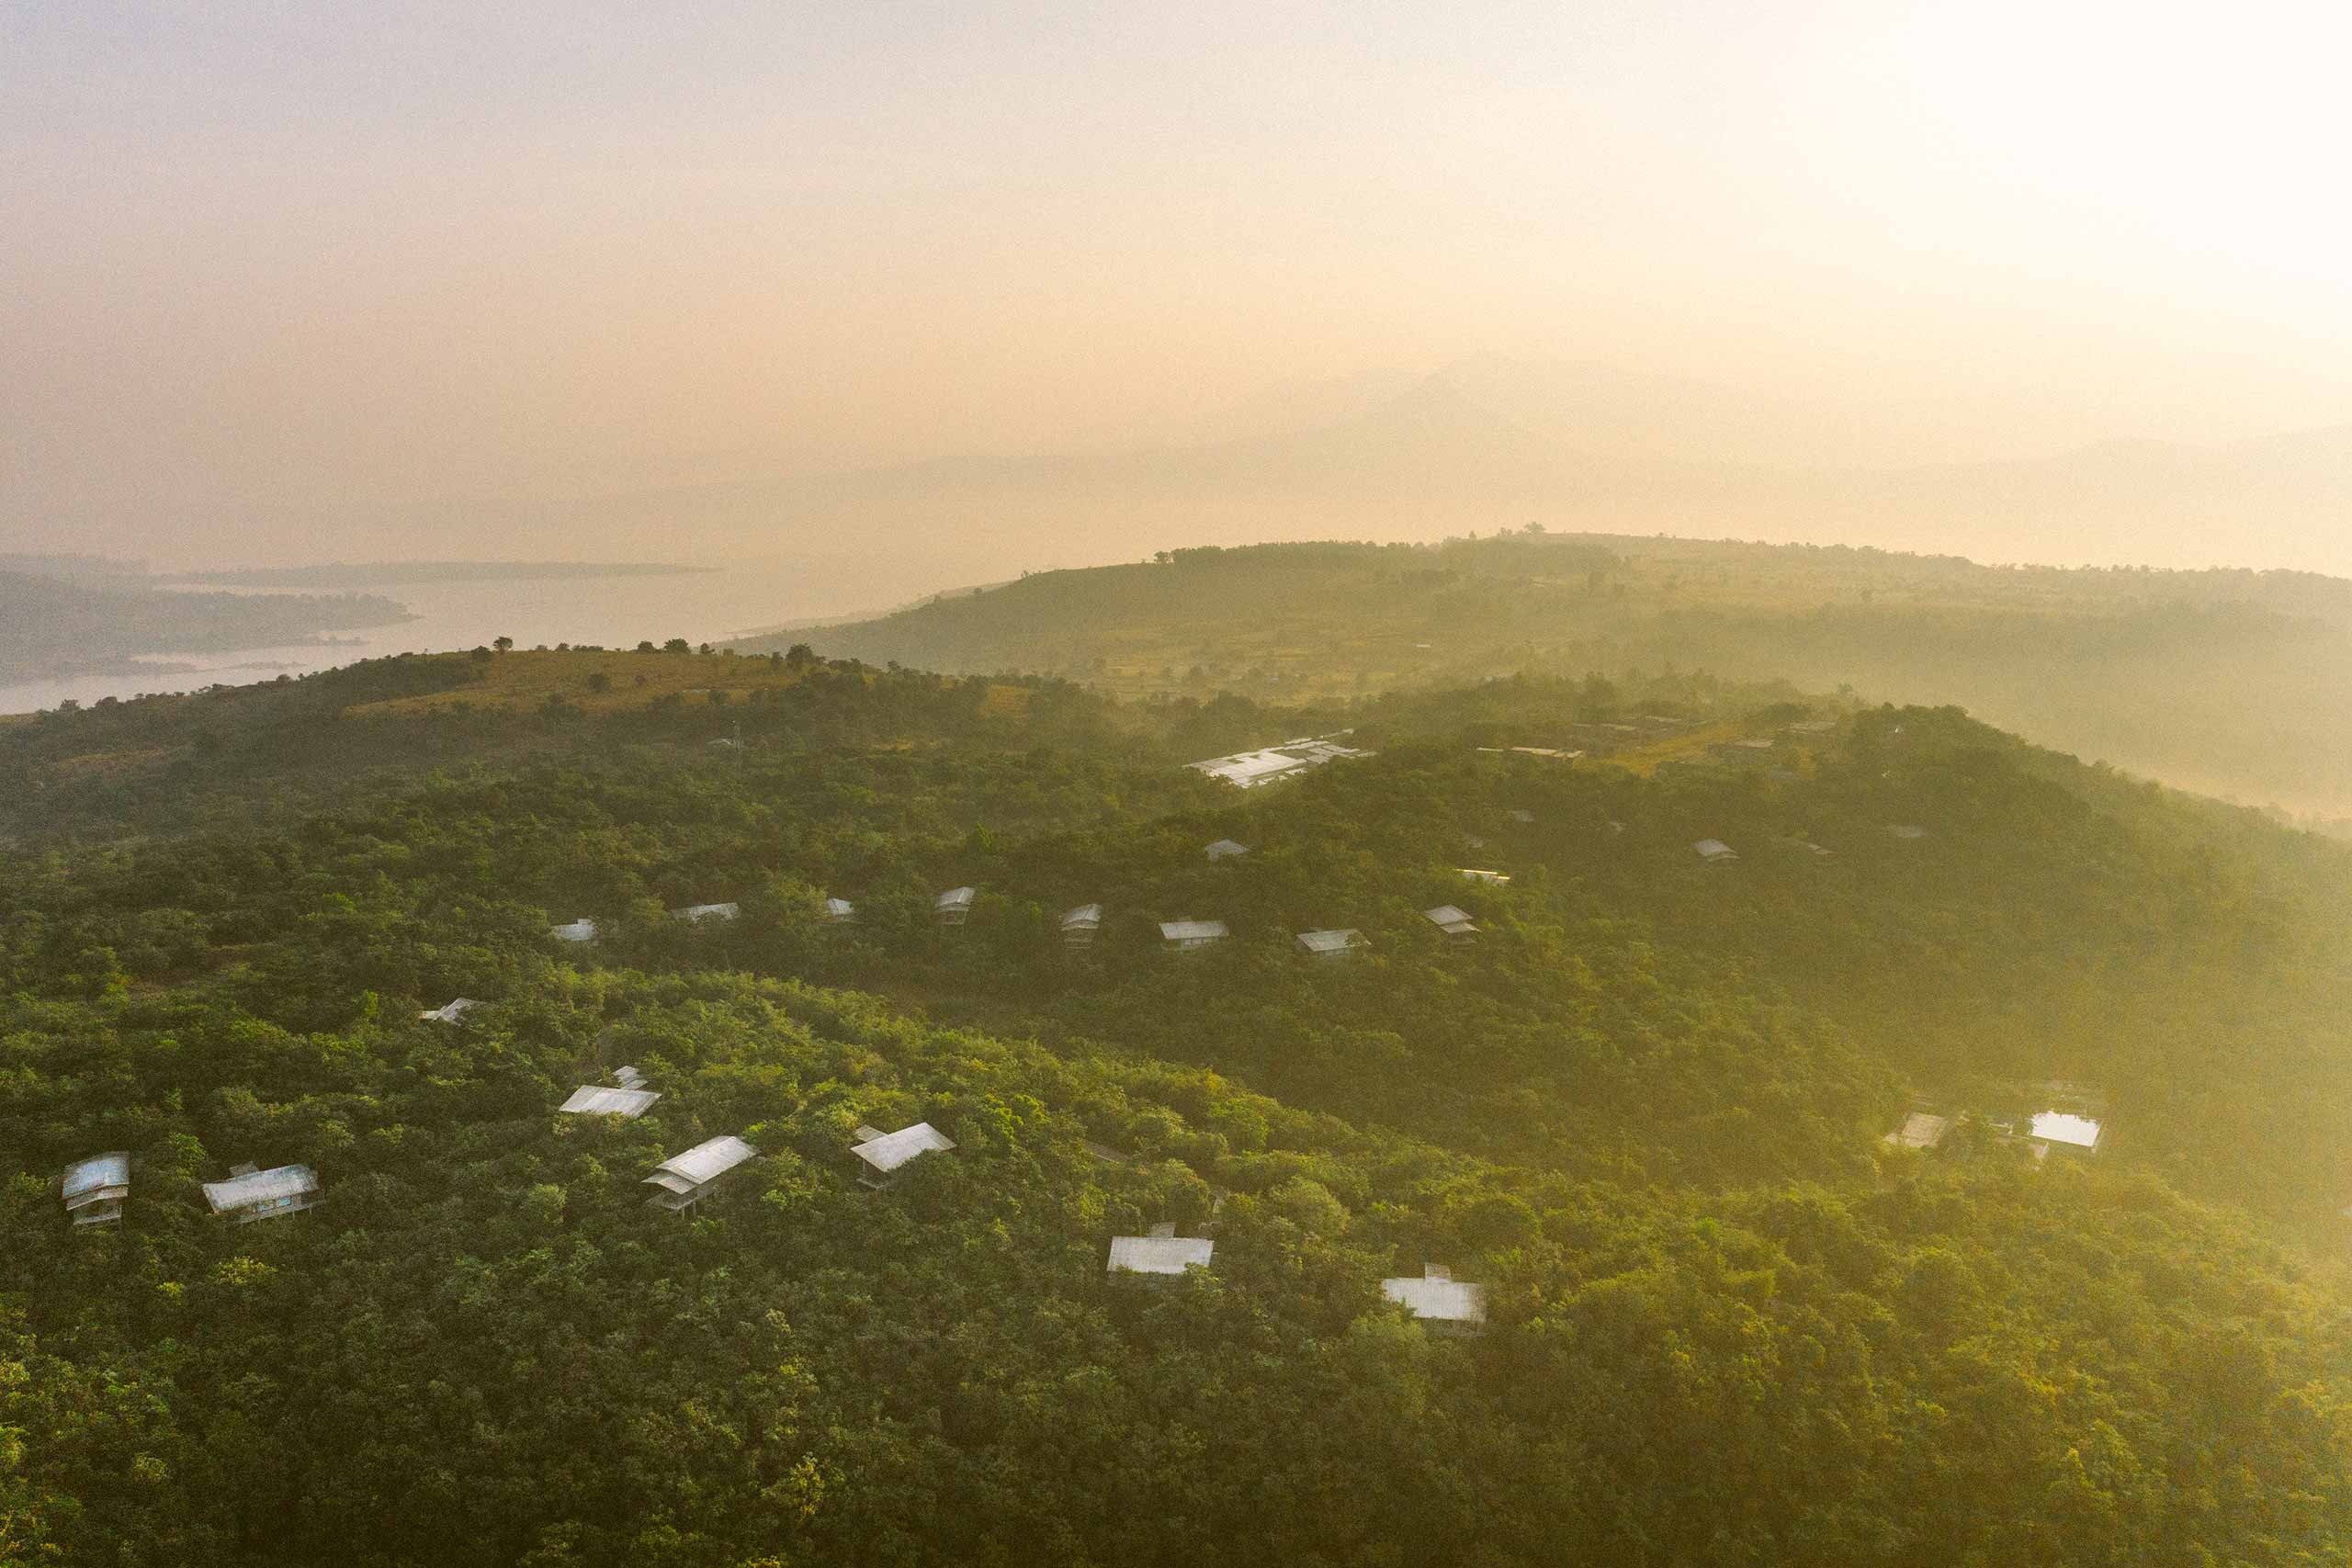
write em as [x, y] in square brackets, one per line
[2229, 682]
[1645, 1108]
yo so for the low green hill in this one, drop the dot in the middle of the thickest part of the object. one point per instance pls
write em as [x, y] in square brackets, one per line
[2231, 683]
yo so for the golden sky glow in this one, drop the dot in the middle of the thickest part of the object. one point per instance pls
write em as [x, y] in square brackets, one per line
[268, 265]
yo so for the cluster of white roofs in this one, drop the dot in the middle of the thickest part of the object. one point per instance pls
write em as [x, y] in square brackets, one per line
[836, 911]
[1250, 770]
[2045, 1129]
[94, 1190]
[1435, 1297]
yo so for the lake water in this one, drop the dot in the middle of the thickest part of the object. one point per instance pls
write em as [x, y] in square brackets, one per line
[734, 600]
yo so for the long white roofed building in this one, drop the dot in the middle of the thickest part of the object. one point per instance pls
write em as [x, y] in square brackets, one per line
[685, 1179]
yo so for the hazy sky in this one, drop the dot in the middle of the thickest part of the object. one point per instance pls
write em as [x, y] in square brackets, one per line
[288, 281]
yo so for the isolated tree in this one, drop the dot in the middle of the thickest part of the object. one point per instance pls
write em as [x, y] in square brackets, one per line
[600, 682]
[676, 644]
[502, 643]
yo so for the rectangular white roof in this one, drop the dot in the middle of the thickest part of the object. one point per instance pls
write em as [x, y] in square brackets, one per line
[589, 1099]
[839, 908]
[1495, 877]
[1907, 831]
[891, 1150]
[452, 1012]
[706, 1161]
[1084, 915]
[1225, 847]
[281, 1185]
[627, 1076]
[1193, 931]
[578, 930]
[87, 1180]
[1714, 849]
[707, 912]
[1158, 1254]
[955, 898]
[1331, 942]
[1920, 1129]
[1435, 1295]
[1447, 916]
[1249, 770]
[2066, 1127]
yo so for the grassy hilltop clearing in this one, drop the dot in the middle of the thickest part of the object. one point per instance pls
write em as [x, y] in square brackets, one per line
[2231, 683]
[1645, 1110]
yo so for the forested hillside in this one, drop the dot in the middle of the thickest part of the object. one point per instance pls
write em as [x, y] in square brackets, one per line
[2232, 682]
[1727, 1322]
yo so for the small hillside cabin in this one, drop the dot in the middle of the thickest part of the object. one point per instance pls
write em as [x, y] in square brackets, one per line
[1523, 817]
[249, 1194]
[885, 1154]
[93, 1189]
[453, 1012]
[840, 912]
[695, 914]
[1715, 851]
[1082, 925]
[582, 931]
[1492, 878]
[2064, 1131]
[628, 1076]
[1330, 944]
[1452, 922]
[954, 906]
[685, 1179]
[1907, 831]
[1920, 1129]
[1163, 1255]
[1226, 849]
[592, 1100]
[1186, 936]
[1447, 1305]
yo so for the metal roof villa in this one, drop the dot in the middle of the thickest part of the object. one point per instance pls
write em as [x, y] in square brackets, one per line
[685, 1179]
[93, 1189]
[1437, 1297]
[249, 1194]
[885, 1153]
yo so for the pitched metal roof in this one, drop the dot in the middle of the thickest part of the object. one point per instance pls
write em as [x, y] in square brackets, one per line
[1714, 849]
[1193, 931]
[578, 930]
[1495, 877]
[706, 1161]
[590, 1099]
[891, 1150]
[1331, 942]
[1158, 1254]
[707, 912]
[1448, 917]
[1084, 915]
[282, 1185]
[839, 908]
[955, 898]
[88, 1180]
[1438, 1295]
[1225, 847]
[452, 1012]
